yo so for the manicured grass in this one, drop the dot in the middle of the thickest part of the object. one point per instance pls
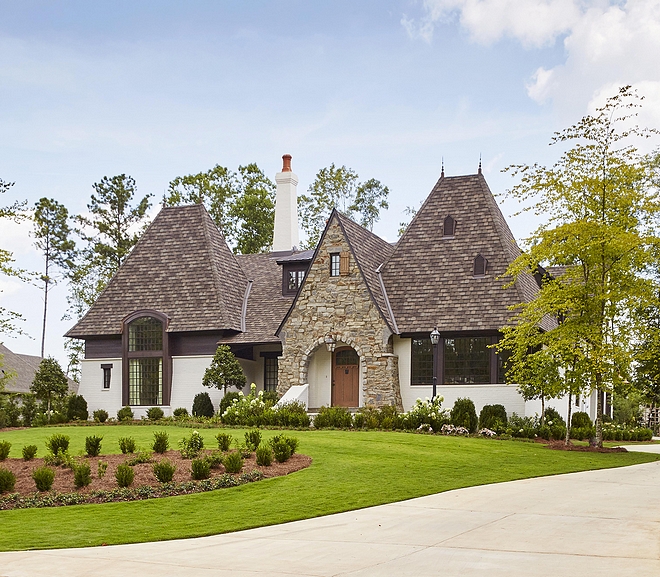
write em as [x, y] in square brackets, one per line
[350, 470]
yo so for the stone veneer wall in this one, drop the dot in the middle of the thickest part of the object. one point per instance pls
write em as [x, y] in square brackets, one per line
[340, 306]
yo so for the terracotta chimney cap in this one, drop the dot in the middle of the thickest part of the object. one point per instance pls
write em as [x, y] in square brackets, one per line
[286, 163]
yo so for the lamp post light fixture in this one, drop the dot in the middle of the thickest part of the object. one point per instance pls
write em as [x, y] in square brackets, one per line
[330, 343]
[435, 339]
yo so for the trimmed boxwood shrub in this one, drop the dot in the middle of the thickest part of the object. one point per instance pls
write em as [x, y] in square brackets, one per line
[281, 450]
[493, 417]
[127, 445]
[29, 452]
[57, 443]
[164, 470]
[200, 469]
[5, 447]
[335, 417]
[125, 414]
[264, 455]
[580, 419]
[252, 439]
[180, 412]
[552, 417]
[7, 480]
[82, 475]
[224, 441]
[161, 442]
[202, 405]
[77, 409]
[233, 462]
[100, 415]
[124, 475]
[43, 478]
[463, 414]
[93, 445]
[583, 433]
[155, 413]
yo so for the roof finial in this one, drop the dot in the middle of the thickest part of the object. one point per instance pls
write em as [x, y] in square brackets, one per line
[442, 173]
[479, 171]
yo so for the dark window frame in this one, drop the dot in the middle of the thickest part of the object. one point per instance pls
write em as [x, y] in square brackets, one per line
[480, 266]
[107, 375]
[297, 268]
[335, 263]
[449, 227]
[271, 379]
[164, 353]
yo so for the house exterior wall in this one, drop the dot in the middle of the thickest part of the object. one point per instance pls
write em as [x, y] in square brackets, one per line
[340, 306]
[91, 385]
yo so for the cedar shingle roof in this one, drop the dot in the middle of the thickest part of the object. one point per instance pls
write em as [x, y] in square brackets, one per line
[429, 279]
[181, 267]
[370, 253]
[266, 306]
[23, 368]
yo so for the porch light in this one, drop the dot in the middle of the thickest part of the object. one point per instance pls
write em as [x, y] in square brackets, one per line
[330, 343]
[435, 339]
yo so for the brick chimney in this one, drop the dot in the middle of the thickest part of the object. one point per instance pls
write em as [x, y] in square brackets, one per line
[285, 235]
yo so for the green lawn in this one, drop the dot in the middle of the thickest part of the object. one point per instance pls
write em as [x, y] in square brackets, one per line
[350, 470]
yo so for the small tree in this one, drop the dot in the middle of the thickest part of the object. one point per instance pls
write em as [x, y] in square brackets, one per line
[225, 371]
[49, 382]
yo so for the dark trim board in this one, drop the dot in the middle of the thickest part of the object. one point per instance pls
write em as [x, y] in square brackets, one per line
[103, 348]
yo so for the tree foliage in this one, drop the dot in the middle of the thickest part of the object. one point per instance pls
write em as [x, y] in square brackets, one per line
[600, 203]
[340, 188]
[53, 239]
[49, 382]
[225, 371]
[242, 204]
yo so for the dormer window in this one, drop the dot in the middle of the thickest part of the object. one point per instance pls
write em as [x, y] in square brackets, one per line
[480, 266]
[292, 278]
[449, 227]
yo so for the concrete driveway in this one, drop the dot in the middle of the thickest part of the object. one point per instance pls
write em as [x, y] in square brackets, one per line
[593, 523]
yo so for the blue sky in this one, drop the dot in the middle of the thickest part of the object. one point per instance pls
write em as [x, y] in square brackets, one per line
[388, 88]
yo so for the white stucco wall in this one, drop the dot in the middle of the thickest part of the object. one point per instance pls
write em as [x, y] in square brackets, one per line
[319, 375]
[91, 386]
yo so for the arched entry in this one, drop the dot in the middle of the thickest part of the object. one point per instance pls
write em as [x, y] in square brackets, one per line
[345, 378]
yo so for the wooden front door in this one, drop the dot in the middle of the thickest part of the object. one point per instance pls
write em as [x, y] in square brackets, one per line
[345, 378]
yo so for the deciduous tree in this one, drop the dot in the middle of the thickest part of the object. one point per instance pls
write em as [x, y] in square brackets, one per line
[224, 371]
[49, 382]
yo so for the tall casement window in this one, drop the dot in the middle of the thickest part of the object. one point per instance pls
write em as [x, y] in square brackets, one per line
[422, 362]
[335, 262]
[467, 360]
[449, 227]
[146, 367]
[270, 373]
[107, 375]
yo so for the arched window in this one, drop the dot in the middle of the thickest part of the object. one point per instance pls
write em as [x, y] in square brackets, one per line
[449, 226]
[146, 363]
[480, 265]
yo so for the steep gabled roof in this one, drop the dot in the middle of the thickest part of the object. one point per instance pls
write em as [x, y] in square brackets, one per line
[181, 267]
[24, 367]
[370, 253]
[430, 279]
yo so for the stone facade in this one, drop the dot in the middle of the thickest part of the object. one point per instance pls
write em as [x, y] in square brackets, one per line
[340, 306]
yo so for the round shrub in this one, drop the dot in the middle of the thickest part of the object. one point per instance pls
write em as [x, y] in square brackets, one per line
[202, 405]
[215, 459]
[43, 478]
[264, 455]
[7, 480]
[100, 415]
[127, 445]
[124, 475]
[5, 447]
[180, 412]
[493, 417]
[93, 445]
[580, 419]
[200, 469]
[77, 409]
[552, 417]
[164, 471]
[82, 475]
[161, 442]
[155, 413]
[125, 414]
[29, 452]
[57, 443]
[233, 462]
[189, 447]
[224, 441]
[463, 414]
[281, 450]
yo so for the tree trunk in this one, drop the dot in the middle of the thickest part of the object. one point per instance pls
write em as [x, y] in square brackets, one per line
[48, 409]
[599, 414]
[568, 420]
[542, 410]
[46, 279]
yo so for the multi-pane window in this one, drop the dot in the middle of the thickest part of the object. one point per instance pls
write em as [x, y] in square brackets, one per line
[347, 357]
[467, 360]
[270, 373]
[502, 365]
[335, 262]
[145, 361]
[294, 280]
[107, 375]
[145, 381]
[422, 362]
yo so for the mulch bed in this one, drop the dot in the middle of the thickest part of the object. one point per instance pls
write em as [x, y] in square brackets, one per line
[561, 446]
[144, 475]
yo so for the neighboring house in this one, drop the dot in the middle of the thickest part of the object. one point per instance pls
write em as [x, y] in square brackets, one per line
[21, 370]
[352, 318]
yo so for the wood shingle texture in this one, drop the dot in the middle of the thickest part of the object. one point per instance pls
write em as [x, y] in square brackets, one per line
[21, 370]
[430, 279]
[181, 267]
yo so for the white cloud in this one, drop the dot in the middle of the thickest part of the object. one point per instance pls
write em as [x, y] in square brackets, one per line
[608, 44]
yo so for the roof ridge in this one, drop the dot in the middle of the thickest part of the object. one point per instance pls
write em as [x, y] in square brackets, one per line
[212, 259]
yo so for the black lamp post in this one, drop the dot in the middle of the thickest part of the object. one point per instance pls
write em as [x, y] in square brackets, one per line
[435, 339]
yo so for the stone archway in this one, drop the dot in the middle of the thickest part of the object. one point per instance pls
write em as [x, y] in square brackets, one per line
[339, 337]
